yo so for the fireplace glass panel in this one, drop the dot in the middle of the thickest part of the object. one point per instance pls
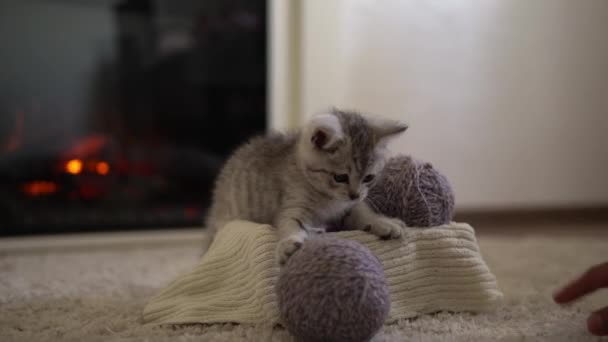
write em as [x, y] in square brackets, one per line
[119, 114]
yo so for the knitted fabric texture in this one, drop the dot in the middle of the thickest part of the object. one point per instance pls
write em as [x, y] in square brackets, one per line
[428, 270]
[413, 191]
[333, 290]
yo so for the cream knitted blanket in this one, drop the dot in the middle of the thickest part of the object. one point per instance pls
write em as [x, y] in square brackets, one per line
[429, 270]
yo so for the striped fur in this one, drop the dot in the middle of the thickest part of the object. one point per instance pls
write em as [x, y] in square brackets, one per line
[287, 180]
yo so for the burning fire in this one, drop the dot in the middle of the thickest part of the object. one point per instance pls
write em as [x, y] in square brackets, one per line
[102, 168]
[40, 188]
[73, 166]
[76, 166]
[81, 157]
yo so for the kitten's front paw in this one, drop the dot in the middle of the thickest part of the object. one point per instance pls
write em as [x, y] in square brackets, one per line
[386, 228]
[288, 246]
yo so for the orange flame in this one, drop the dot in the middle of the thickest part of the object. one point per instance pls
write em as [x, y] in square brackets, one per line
[39, 188]
[103, 168]
[73, 166]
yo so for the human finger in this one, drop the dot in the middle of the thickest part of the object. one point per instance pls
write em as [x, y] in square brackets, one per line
[597, 323]
[594, 278]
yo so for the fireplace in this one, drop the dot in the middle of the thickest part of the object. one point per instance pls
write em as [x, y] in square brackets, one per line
[119, 114]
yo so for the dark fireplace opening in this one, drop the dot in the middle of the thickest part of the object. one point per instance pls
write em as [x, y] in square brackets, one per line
[119, 114]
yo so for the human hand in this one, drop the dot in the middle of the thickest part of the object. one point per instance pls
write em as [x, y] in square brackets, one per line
[595, 278]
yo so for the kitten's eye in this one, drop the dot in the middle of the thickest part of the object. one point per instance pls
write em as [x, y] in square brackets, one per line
[368, 178]
[343, 178]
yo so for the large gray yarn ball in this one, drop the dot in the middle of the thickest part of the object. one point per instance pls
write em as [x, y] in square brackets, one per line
[413, 191]
[333, 290]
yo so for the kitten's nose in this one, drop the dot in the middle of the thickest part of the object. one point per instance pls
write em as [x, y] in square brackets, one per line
[353, 196]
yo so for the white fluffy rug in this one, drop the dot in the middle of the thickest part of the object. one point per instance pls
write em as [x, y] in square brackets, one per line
[97, 293]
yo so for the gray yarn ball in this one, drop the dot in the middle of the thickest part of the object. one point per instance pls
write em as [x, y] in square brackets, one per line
[413, 191]
[333, 290]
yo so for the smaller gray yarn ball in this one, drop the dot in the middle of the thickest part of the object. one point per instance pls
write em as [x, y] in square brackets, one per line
[333, 289]
[413, 191]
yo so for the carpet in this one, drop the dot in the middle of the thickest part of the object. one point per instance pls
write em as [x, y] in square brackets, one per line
[96, 292]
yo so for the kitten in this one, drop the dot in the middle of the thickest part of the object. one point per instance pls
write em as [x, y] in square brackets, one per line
[300, 182]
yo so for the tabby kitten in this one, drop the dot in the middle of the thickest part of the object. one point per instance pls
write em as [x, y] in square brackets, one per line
[300, 182]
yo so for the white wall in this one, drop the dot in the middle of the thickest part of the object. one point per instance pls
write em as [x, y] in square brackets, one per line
[508, 98]
[284, 64]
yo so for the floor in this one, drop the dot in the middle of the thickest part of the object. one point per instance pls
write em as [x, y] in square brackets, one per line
[94, 288]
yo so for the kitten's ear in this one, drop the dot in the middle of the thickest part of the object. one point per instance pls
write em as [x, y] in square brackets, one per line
[325, 131]
[386, 130]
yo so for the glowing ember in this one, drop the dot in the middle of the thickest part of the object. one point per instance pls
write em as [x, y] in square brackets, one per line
[103, 168]
[39, 188]
[73, 166]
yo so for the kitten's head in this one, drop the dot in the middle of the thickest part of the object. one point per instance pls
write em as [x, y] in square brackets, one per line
[342, 152]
